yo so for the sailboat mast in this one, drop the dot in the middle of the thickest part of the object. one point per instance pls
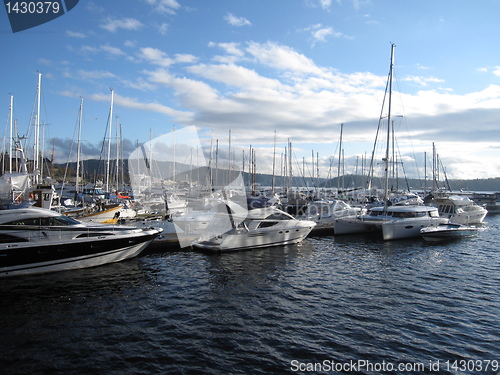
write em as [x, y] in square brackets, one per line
[117, 153]
[78, 148]
[386, 159]
[340, 159]
[274, 163]
[36, 146]
[11, 127]
[109, 139]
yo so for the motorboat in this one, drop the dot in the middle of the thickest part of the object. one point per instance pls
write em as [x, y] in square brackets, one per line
[458, 209]
[448, 231]
[36, 240]
[260, 227]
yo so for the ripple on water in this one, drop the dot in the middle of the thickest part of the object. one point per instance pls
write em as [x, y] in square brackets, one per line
[329, 298]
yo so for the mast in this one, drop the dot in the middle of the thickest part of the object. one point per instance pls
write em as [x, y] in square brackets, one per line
[386, 159]
[340, 159]
[78, 148]
[274, 163]
[121, 158]
[11, 127]
[228, 181]
[117, 145]
[36, 143]
[109, 139]
[173, 167]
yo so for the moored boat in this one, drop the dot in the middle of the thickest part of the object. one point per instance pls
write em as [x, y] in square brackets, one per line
[35, 240]
[447, 232]
[262, 227]
[395, 222]
[458, 209]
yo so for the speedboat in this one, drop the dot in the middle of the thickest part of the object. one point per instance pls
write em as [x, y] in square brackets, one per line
[36, 240]
[262, 227]
[447, 232]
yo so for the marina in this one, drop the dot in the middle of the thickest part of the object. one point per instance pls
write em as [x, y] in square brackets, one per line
[250, 188]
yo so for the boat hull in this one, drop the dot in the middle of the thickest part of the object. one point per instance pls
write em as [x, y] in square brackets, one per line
[246, 240]
[449, 232]
[355, 225]
[409, 228]
[24, 258]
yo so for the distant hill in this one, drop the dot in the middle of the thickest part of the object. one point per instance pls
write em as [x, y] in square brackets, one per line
[95, 169]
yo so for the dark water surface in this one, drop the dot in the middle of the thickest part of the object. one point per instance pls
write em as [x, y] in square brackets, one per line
[351, 304]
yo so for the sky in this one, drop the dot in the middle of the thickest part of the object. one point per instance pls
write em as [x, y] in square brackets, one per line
[267, 73]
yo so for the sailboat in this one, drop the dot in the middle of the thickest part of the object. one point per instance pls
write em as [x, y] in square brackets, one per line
[98, 211]
[394, 221]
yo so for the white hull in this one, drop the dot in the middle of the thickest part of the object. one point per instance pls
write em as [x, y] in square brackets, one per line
[447, 232]
[353, 225]
[396, 222]
[109, 215]
[467, 218]
[262, 227]
[254, 239]
[407, 228]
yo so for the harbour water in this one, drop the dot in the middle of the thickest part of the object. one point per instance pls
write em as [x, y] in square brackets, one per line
[345, 304]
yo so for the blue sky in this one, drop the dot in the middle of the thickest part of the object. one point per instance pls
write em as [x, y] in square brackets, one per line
[299, 68]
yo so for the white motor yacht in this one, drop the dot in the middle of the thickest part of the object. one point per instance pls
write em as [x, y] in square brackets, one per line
[261, 227]
[459, 209]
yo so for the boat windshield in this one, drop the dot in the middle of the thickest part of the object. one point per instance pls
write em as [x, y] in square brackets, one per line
[54, 221]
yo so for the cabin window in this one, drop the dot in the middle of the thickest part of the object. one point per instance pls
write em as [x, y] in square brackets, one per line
[278, 216]
[45, 221]
[267, 224]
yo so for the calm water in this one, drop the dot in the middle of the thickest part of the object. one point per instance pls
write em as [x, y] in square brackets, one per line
[353, 304]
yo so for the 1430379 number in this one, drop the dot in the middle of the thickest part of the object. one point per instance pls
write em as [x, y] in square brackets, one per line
[33, 7]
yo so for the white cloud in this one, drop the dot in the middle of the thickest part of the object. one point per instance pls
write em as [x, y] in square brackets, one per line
[112, 50]
[113, 24]
[164, 6]
[158, 57]
[422, 81]
[320, 33]
[325, 4]
[163, 28]
[282, 57]
[422, 67]
[185, 58]
[155, 56]
[236, 21]
[496, 71]
[233, 52]
[135, 104]
[94, 74]
[75, 34]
